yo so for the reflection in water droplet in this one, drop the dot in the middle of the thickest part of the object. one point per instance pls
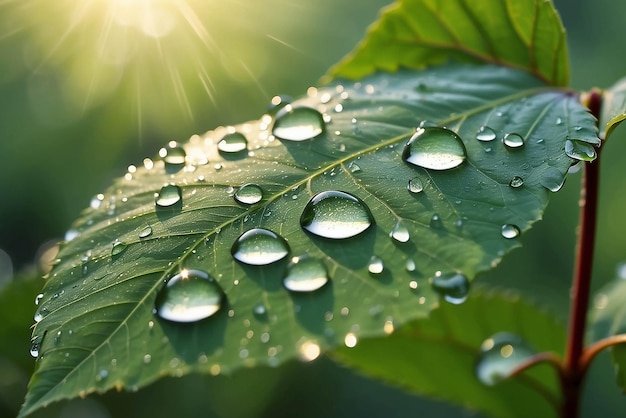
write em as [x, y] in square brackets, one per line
[298, 124]
[305, 274]
[169, 196]
[513, 140]
[500, 356]
[259, 247]
[189, 296]
[485, 134]
[516, 182]
[579, 150]
[415, 185]
[118, 248]
[400, 233]
[552, 179]
[336, 215]
[249, 194]
[454, 287]
[145, 232]
[173, 155]
[376, 265]
[510, 231]
[434, 148]
[232, 143]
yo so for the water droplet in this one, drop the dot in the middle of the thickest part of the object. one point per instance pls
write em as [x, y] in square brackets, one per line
[189, 296]
[298, 124]
[259, 310]
[350, 340]
[259, 247]
[309, 350]
[232, 143]
[336, 215]
[400, 233]
[353, 167]
[559, 121]
[552, 179]
[579, 150]
[500, 356]
[435, 222]
[376, 265]
[434, 148]
[415, 185]
[173, 155]
[516, 182]
[410, 265]
[96, 201]
[118, 248]
[35, 346]
[485, 134]
[454, 287]
[305, 274]
[510, 231]
[513, 140]
[249, 194]
[38, 298]
[70, 234]
[145, 232]
[169, 196]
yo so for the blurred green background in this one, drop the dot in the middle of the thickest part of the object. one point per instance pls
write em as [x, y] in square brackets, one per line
[77, 107]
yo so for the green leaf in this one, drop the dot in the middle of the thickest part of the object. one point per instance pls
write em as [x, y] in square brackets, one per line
[524, 34]
[437, 356]
[98, 329]
[613, 107]
[608, 318]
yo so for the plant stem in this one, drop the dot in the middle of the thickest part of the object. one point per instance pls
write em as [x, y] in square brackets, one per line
[572, 369]
[594, 349]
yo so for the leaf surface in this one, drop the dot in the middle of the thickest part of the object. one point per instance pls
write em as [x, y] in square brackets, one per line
[437, 356]
[524, 34]
[99, 330]
[613, 107]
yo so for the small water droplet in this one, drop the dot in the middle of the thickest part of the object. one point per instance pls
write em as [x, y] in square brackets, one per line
[71, 234]
[298, 124]
[38, 298]
[173, 156]
[375, 265]
[259, 247]
[415, 185]
[305, 274]
[145, 232]
[118, 248]
[580, 150]
[434, 148]
[454, 287]
[559, 121]
[309, 350]
[232, 143]
[485, 134]
[353, 167]
[410, 265]
[516, 182]
[189, 296]
[513, 140]
[400, 233]
[552, 179]
[259, 310]
[96, 201]
[500, 356]
[350, 340]
[35, 346]
[510, 231]
[147, 359]
[249, 194]
[336, 215]
[436, 222]
[169, 196]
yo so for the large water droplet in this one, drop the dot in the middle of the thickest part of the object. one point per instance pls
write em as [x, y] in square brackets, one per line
[580, 150]
[400, 233]
[298, 124]
[189, 296]
[305, 274]
[415, 185]
[516, 182]
[232, 143]
[434, 148]
[336, 215]
[485, 134]
[375, 265]
[500, 356]
[552, 179]
[259, 247]
[249, 194]
[145, 232]
[173, 155]
[454, 287]
[513, 140]
[169, 196]
[510, 231]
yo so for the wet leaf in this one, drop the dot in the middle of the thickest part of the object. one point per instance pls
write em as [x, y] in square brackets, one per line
[613, 107]
[524, 34]
[438, 356]
[168, 272]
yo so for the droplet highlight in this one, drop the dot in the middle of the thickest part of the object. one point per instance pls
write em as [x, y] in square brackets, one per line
[305, 274]
[500, 356]
[434, 148]
[249, 194]
[298, 124]
[336, 215]
[454, 287]
[259, 247]
[375, 265]
[189, 296]
[173, 155]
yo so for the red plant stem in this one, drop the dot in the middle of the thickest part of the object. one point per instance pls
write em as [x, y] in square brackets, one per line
[594, 349]
[572, 370]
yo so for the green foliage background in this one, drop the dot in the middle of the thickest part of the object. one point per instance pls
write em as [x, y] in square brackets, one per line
[55, 160]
